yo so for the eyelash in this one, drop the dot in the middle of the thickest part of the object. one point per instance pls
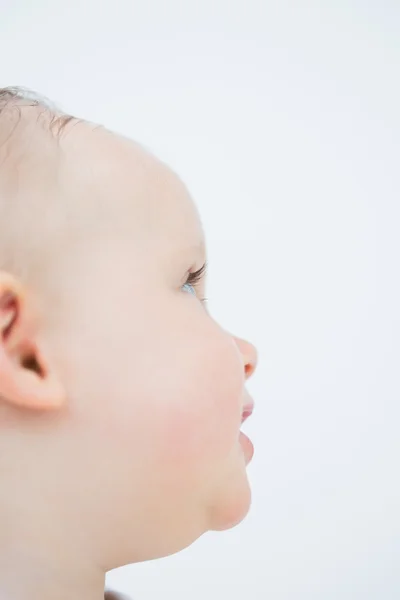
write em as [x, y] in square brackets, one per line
[196, 277]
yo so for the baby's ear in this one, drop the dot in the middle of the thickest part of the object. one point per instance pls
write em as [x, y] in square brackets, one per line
[26, 378]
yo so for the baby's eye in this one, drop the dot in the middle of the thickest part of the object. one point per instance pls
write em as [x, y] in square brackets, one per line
[189, 288]
[193, 279]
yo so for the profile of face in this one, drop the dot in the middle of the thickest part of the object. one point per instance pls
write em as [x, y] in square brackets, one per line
[143, 454]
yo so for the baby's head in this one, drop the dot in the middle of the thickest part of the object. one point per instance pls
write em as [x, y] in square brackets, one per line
[121, 398]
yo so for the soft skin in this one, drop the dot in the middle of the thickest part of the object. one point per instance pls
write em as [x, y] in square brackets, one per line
[121, 398]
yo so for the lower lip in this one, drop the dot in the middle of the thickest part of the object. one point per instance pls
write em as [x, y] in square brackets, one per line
[247, 447]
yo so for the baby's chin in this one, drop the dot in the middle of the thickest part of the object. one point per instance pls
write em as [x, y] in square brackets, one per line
[233, 502]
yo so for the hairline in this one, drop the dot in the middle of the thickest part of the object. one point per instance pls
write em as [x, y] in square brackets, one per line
[19, 97]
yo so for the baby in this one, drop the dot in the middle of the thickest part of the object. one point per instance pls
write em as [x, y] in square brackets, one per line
[121, 398]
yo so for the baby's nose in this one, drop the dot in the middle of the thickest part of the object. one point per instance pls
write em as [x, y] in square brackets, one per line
[250, 356]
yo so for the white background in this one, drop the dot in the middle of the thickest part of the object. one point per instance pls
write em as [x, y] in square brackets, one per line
[283, 120]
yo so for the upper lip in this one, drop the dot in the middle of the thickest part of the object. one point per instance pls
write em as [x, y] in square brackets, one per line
[247, 410]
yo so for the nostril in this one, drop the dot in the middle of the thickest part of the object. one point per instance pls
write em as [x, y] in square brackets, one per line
[249, 369]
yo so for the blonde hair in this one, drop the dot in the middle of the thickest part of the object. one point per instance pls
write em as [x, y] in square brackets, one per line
[15, 97]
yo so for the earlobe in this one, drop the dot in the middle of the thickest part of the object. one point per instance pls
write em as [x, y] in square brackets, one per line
[26, 377]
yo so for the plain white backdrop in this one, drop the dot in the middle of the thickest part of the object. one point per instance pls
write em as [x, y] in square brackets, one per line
[283, 120]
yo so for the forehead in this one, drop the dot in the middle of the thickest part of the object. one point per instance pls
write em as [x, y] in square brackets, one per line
[140, 190]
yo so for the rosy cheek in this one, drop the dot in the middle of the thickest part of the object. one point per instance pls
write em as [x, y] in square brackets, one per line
[203, 429]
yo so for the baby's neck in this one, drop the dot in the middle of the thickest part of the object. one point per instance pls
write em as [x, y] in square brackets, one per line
[21, 582]
[43, 566]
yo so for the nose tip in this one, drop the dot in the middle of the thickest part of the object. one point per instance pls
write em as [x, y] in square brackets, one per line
[250, 355]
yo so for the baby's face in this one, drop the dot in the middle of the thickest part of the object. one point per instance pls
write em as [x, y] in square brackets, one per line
[147, 454]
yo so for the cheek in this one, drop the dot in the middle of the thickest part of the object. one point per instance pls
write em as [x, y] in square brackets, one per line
[174, 397]
[198, 403]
